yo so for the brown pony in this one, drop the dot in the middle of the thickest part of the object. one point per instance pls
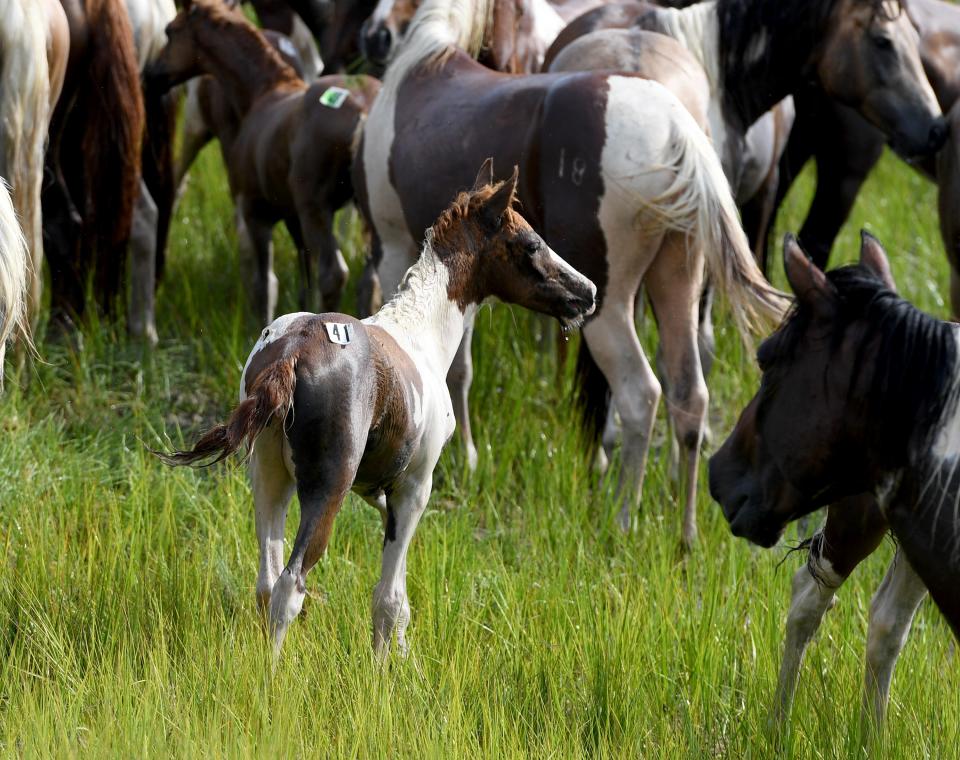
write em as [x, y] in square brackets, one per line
[94, 159]
[290, 159]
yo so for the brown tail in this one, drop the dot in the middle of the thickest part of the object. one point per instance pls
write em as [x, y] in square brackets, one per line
[114, 115]
[270, 395]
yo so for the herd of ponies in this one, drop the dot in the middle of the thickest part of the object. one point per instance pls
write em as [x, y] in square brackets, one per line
[580, 158]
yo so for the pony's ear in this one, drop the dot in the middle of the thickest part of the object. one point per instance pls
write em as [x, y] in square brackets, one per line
[484, 176]
[806, 280]
[874, 258]
[498, 203]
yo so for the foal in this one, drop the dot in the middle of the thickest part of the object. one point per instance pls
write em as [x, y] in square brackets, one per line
[290, 158]
[329, 403]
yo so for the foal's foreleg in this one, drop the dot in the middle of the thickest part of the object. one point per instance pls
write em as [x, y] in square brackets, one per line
[459, 380]
[891, 615]
[674, 283]
[391, 607]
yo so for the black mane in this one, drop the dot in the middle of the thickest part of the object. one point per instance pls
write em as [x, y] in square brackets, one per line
[765, 50]
[915, 365]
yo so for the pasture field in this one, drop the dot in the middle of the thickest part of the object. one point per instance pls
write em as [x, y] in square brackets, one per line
[127, 619]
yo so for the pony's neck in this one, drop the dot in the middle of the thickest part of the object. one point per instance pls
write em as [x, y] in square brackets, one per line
[246, 65]
[429, 322]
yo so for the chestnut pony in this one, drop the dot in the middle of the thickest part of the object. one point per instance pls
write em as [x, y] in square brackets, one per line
[329, 403]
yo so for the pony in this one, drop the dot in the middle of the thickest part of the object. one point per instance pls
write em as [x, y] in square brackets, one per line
[515, 43]
[329, 403]
[93, 160]
[34, 45]
[290, 158]
[879, 415]
[626, 206]
[14, 274]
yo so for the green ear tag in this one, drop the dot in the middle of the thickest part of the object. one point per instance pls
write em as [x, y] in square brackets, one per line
[333, 97]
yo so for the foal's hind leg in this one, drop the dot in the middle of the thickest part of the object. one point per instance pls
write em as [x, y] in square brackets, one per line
[891, 615]
[673, 283]
[255, 238]
[272, 488]
[326, 259]
[143, 268]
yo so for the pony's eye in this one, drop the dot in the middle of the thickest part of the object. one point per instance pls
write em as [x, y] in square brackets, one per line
[881, 41]
[531, 246]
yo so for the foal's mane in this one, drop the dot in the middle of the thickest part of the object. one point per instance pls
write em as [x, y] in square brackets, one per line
[230, 31]
[914, 368]
[765, 46]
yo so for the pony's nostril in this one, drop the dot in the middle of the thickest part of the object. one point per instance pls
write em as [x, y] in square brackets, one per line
[938, 134]
[378, 44]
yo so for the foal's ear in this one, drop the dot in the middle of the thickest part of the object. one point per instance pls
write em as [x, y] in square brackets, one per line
[484, 176]
[805, 278]
[498, 203]
[874, 258]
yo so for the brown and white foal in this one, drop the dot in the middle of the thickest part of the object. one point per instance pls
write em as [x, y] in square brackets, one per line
[329, 403]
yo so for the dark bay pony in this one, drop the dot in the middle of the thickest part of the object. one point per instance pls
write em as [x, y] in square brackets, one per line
[859, 394]
[93, 159]
[617, 177]
[290, 157]
[329, 403]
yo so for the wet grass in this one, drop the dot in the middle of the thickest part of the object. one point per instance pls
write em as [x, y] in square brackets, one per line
[127, 620]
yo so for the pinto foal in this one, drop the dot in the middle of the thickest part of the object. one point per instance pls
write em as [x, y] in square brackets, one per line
[329, 403]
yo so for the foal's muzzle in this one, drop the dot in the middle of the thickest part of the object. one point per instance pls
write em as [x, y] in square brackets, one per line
[376, 42]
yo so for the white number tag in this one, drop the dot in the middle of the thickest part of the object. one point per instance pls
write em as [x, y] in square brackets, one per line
[333, 97]
[338, 332]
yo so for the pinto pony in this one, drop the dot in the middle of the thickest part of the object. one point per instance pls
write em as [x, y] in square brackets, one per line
[290, 157]
[618, 178]
[329, 403]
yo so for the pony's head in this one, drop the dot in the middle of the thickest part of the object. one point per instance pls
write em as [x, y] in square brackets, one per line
[490, 250]
[854, 383]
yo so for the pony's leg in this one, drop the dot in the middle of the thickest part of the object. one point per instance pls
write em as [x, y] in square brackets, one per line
[854, 528]
[891, 615]
[143, 270]
[255, 238]
[614, 346]
[272, 488]
[369, 292]
[195, 134]
[391, 607]
[673, 283]
[327, 260]
[459, 380]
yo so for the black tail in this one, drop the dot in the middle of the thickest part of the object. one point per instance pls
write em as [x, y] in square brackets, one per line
[592, 395]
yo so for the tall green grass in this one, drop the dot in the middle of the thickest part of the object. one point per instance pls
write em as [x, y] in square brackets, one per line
[127, 619]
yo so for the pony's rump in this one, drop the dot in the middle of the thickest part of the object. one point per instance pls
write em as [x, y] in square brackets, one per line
[270, 396]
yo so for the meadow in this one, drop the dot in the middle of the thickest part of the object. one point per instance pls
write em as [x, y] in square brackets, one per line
[127, 619]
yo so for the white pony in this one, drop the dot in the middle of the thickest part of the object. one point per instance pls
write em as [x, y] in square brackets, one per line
[29, 88]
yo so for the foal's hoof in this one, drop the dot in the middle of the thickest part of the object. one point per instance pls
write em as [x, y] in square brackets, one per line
[472, 457]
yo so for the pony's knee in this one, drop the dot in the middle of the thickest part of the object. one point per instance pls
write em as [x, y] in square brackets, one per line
[638, 408]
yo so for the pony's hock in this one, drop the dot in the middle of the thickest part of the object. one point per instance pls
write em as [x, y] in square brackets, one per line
[329, 403]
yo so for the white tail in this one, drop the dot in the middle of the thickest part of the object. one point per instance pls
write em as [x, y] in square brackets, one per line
[700, 204]
[24, 118]
[14, 266]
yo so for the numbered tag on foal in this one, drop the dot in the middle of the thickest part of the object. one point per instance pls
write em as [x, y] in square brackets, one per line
[339, 333]
[333, 97]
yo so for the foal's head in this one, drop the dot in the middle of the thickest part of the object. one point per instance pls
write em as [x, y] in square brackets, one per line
[490, 250]
[853, 384]
[202, 31]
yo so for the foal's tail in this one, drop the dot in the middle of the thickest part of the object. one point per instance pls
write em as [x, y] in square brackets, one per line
[700, 204]
[270, 396]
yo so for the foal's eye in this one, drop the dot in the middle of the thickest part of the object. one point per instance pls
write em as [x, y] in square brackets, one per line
[531, 247]
[881, 41]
